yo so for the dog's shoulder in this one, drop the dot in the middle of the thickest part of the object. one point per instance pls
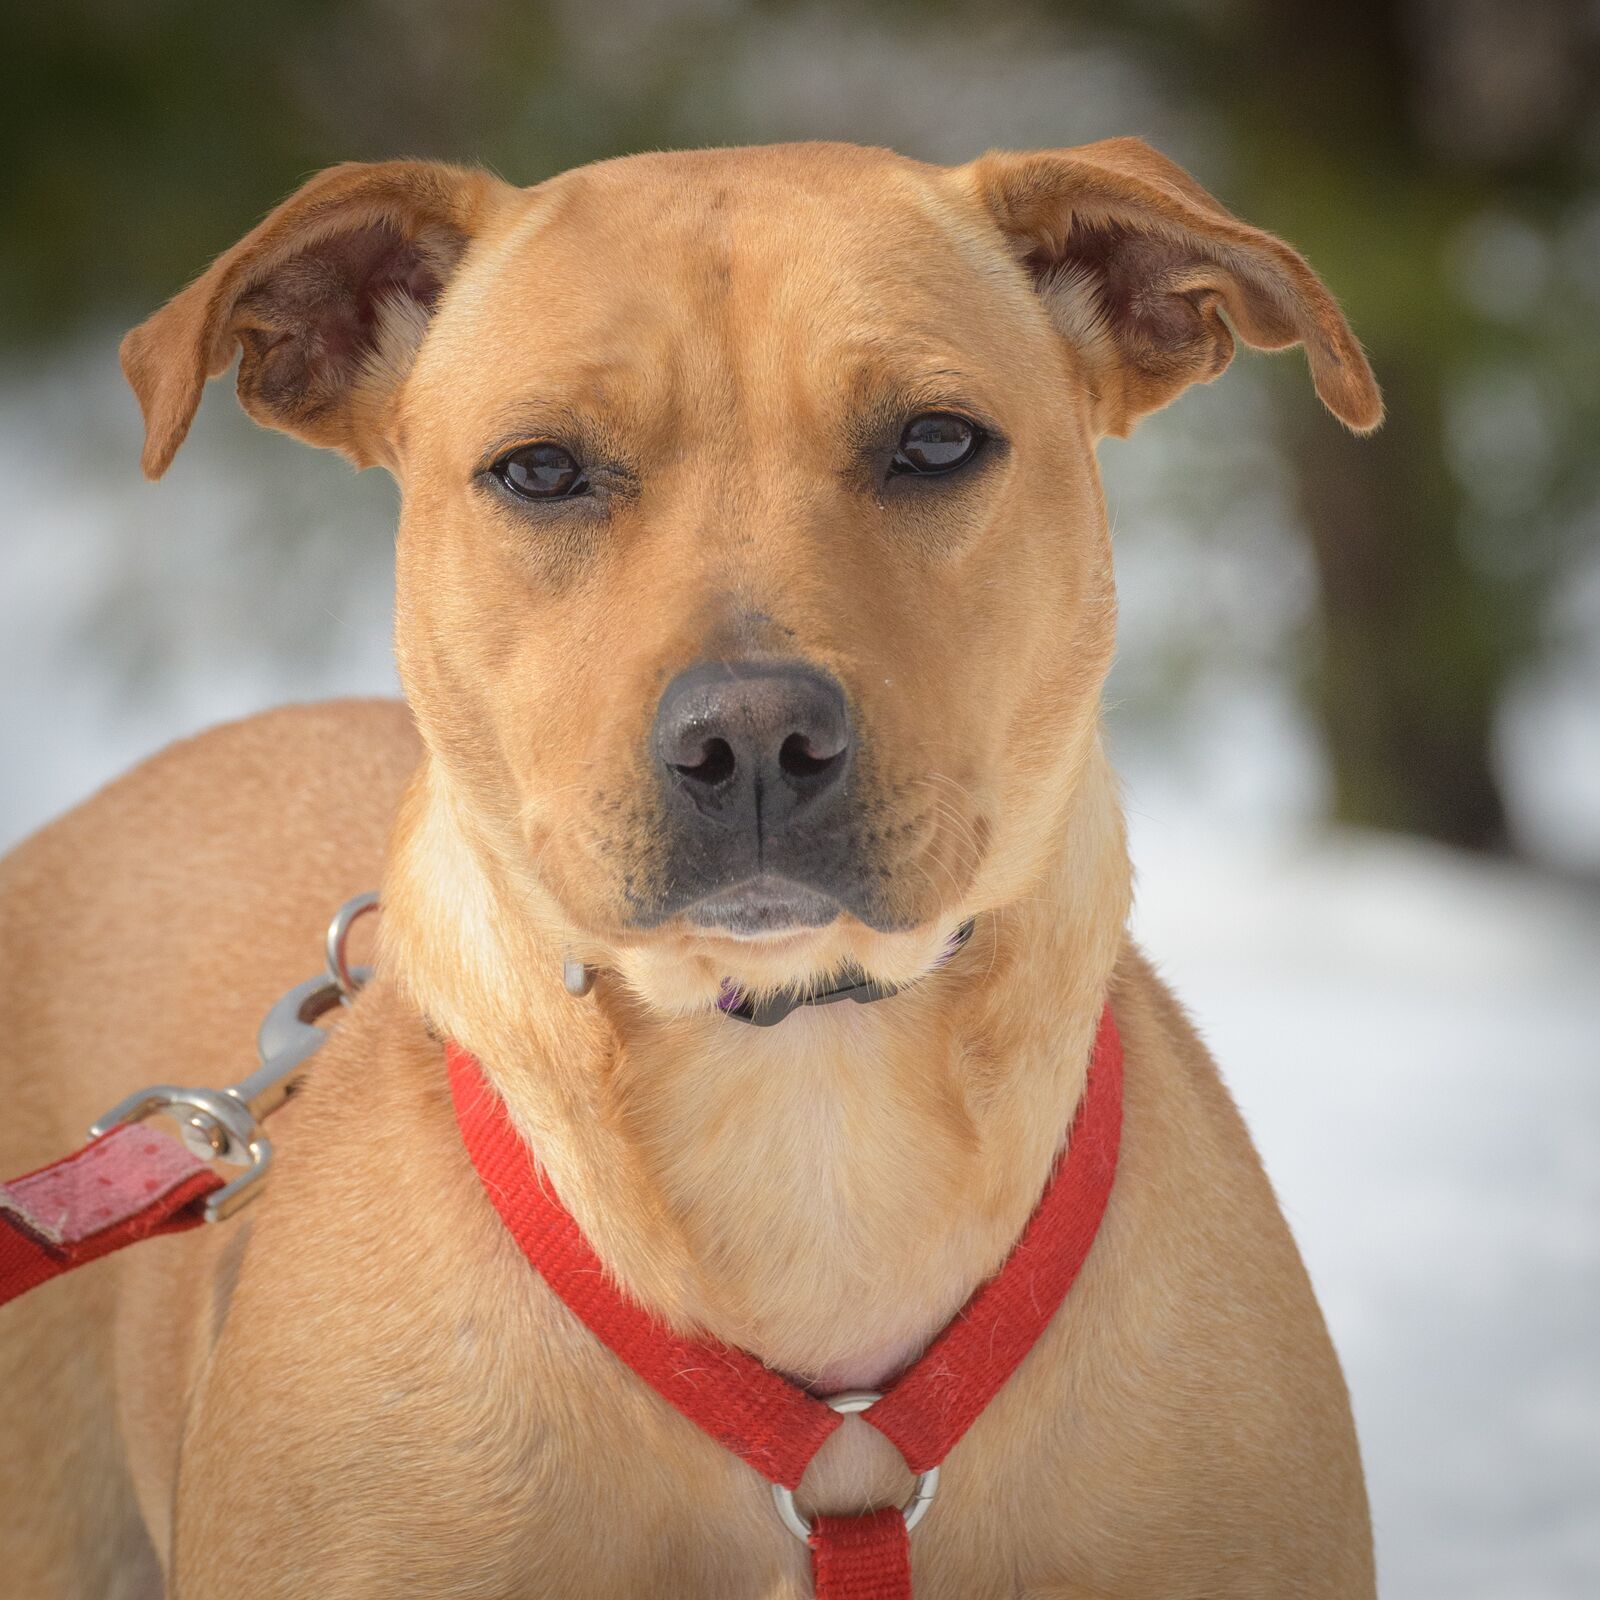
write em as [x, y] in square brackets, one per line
[145, 932]
[1170, 1065]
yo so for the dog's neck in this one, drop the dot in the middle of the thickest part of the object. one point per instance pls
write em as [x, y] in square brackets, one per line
[824, 1193]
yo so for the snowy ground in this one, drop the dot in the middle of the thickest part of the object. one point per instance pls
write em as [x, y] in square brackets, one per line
[1415, 1040]
[1414, 1037]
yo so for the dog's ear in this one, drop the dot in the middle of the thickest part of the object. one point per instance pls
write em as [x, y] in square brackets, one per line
[1135, 261]
[327, 299]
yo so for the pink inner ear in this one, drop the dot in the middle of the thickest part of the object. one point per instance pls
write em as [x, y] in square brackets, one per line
[306, 326]
[371, 265]
[1132, 272]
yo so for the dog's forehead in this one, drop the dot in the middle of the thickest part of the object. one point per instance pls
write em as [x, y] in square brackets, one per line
[723, 210]
[670, 271]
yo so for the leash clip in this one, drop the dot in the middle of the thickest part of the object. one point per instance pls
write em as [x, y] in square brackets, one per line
[225, 1124]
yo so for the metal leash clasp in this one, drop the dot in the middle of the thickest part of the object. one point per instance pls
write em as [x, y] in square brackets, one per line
[225, 1124]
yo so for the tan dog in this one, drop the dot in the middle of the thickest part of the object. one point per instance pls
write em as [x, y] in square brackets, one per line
[824, 418]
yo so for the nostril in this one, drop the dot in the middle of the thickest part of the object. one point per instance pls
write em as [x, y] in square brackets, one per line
[797, 759]
[715, 765]
[751, 741]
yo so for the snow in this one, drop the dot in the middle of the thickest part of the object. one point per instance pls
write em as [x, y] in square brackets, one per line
[1414, 1038]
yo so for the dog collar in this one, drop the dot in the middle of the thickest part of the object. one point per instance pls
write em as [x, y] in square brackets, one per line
[770, 1422]
[766, 1013]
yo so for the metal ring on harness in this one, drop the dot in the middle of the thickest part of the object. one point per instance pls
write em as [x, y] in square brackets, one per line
[850, 1403]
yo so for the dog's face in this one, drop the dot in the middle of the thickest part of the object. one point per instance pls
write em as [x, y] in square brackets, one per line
[752, 567]
[754, 583]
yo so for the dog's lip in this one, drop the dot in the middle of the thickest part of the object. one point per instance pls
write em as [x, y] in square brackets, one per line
[765, 907]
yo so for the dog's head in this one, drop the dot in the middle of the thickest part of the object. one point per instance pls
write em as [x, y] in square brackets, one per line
[754, 583]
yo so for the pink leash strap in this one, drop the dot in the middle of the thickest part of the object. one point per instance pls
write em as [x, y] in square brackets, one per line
[131, 1184]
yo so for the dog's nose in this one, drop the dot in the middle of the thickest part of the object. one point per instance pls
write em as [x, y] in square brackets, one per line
[753, 741]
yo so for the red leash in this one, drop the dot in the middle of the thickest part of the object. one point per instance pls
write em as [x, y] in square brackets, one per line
[770, 1422]
[128, 1185]
[131, 1181]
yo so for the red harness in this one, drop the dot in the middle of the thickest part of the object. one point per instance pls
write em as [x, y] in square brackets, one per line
[136, 1182]
[771, 1423]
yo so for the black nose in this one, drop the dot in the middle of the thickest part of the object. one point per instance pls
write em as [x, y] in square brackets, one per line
[753, 742]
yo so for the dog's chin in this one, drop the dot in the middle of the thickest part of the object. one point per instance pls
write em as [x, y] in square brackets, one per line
[768, 935]
[763, 909]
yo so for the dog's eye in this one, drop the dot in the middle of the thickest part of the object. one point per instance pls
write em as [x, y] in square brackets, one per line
[937, 441]
[541, 472]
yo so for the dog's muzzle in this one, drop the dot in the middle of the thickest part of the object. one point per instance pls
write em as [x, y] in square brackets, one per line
[754, 760]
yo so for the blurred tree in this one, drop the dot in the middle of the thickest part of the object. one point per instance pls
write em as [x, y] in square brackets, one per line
[1375, 134]
[142, 136]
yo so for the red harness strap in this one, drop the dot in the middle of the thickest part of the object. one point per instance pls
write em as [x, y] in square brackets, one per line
[861, 1558]
[764, 1418]
[135, 1182]
[131, 1184]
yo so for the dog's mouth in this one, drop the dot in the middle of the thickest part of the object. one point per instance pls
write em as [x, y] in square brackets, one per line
[763, 907]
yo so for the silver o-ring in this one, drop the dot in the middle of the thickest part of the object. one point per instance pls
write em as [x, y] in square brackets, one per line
[851, 1403]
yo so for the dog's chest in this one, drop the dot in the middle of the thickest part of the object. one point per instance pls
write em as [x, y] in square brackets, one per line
[397, 1403]
[510, 1455]
[453, 1426]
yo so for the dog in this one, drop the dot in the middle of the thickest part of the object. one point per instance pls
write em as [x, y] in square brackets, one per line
[754, 605]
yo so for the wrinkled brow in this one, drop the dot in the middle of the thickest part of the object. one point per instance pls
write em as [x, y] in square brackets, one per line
[880, 394]
[598, 407]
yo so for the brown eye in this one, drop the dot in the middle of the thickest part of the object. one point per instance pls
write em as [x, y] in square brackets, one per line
[541, 472]
[938, 441]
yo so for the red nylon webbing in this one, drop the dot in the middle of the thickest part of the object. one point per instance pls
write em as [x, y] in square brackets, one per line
[927, 1409]
[764, 1418]
[746, 1407]
[136, 1182]
[861, 1558]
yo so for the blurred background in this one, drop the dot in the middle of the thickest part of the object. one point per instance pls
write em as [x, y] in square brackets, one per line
[1358, 698]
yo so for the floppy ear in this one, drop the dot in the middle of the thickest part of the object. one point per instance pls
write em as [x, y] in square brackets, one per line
[327, 300]
[1136, 262]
